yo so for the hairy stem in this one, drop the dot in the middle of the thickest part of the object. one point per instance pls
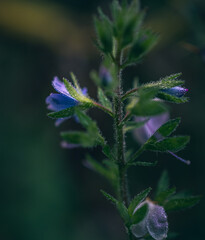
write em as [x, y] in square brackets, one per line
[119, 133]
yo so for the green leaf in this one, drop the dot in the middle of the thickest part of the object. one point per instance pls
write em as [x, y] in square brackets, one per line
[143, 164]
[104, 33]
[163, 183]
[169, 127]
[181, 204]
[90, 125]
[68, 112]
[75, 94]
[164, 195]
[75, 81]
[109, 197]
[140, 214]
[148, 108]
[108, 153]
[133, 125]
[82, 138]
[171, 98]
[98, 167]
[104, 100]
[143, 44]
[123, 212]
[173, 144]
[166, 82]
[137, 200]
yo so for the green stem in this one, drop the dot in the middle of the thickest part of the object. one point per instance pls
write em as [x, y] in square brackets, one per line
[119, 134]
[130, 235]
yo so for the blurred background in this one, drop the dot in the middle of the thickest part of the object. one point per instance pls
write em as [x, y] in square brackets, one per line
[46, 192]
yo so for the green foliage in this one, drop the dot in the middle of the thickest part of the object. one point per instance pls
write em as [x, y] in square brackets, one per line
[173, 144]
[104, 100]
[109, 197]
[169, 127]
[172, 99]
[137, 200]
[131, 125]
[140, 214]
[104, 31]
[148, 108]
[181, 203]
[78, 95]
[163, 195]
[68, 112]
[81, 138]
[163, 183]
[166, 82]
[90, 138]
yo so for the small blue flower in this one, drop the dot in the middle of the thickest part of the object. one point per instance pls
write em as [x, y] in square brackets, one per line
[175, 91]
[143, 133]
[62, 100]
[105, 76]
[155, 222]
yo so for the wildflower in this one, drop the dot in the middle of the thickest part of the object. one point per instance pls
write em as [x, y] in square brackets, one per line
[61, 100]
[155, 222]
[143, 133]
[105, 76]
[175, 91]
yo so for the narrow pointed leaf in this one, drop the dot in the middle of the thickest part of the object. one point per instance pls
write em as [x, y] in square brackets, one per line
[104, 100]
[137, 200]
[140, 214]
[163, 183]
[181, 204]
[109, 197]
[164, 195]
[173, 144]
[68, 112]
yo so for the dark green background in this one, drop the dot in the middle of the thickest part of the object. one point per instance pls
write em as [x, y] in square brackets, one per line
[46, 193]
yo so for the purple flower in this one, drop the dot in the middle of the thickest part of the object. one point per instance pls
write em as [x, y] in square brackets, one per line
[175, 91]
[155, 222]
[61, 100]
[105, 76]
[143, 133]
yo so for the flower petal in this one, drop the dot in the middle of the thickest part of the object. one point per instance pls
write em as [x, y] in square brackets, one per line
[58, 102]
[157, 223]
[176, 91]
[143, 133]
[60, 87]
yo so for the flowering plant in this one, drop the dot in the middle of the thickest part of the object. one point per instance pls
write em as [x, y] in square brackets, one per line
[123, 41]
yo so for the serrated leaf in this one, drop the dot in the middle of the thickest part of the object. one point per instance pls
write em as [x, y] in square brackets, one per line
[109, 197]
[173, 144]
[140, 214]
[181, 204]
[164, 195]
[137, 200]
[163, 183]
[148, 108]
[82, 138]
[104, 100]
